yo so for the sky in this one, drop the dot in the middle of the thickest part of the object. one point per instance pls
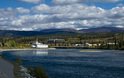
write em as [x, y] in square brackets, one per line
[32, 15]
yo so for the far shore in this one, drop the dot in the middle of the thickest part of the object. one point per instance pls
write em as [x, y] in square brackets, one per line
[14, 49]
[17, 49]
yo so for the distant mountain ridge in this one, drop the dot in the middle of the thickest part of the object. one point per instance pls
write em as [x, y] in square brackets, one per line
[12, 33]
[102, 29]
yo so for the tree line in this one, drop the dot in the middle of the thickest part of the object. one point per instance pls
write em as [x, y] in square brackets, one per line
[93, 38]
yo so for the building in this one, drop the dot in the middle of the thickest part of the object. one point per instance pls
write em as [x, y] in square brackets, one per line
[53, 41]
[110, 43]
[93, 45]
[79, 45]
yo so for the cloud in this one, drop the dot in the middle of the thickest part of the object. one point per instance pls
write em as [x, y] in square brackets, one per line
[22, 10]
[83, 1]
[41, 8]
[66, 1]
[102, 1]
[76, 16]
[31, 1]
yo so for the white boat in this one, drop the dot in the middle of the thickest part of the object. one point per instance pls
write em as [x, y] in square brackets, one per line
[39, 45]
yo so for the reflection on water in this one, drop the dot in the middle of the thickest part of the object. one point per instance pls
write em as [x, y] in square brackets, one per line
[40, 52]
[30, 53]
[72, 63]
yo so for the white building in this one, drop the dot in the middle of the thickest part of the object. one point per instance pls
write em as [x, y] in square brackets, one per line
[92, 45]
[39, 45]
[111, 43]
[79, 45]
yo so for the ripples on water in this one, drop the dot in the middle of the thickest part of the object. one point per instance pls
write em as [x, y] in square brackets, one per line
[73, 63]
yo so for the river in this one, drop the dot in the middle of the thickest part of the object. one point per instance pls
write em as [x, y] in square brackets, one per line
[73, 63]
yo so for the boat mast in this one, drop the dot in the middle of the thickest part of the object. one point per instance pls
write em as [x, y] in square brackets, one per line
[36, 40]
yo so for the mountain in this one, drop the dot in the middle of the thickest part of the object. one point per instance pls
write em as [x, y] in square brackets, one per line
[59, 30]
[102, 30]
[65, 31]
[12, 33]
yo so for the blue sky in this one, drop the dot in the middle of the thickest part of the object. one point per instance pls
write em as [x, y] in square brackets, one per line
[45, 14]
[19, 3]
[14, 4]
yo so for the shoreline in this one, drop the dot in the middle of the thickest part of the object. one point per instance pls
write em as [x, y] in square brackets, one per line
[27, 49]
[6, 69]
[19, 49]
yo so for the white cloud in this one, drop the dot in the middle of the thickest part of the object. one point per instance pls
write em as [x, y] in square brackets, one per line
[65, 1]
[102, 1]
[31, 1]
[60, 16]
[118, 11]
[83, 1]
[41, 8]
[22, 10]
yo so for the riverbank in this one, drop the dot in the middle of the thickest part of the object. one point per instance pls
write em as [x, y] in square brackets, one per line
[82, 50]
[27, 49]
[6, 69]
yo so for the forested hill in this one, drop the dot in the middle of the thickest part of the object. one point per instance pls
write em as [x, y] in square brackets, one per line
[12, 33]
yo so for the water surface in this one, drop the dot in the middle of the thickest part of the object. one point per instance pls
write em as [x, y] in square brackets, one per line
[73, 63]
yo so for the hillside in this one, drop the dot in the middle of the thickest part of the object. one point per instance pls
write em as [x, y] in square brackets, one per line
[12, 33]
